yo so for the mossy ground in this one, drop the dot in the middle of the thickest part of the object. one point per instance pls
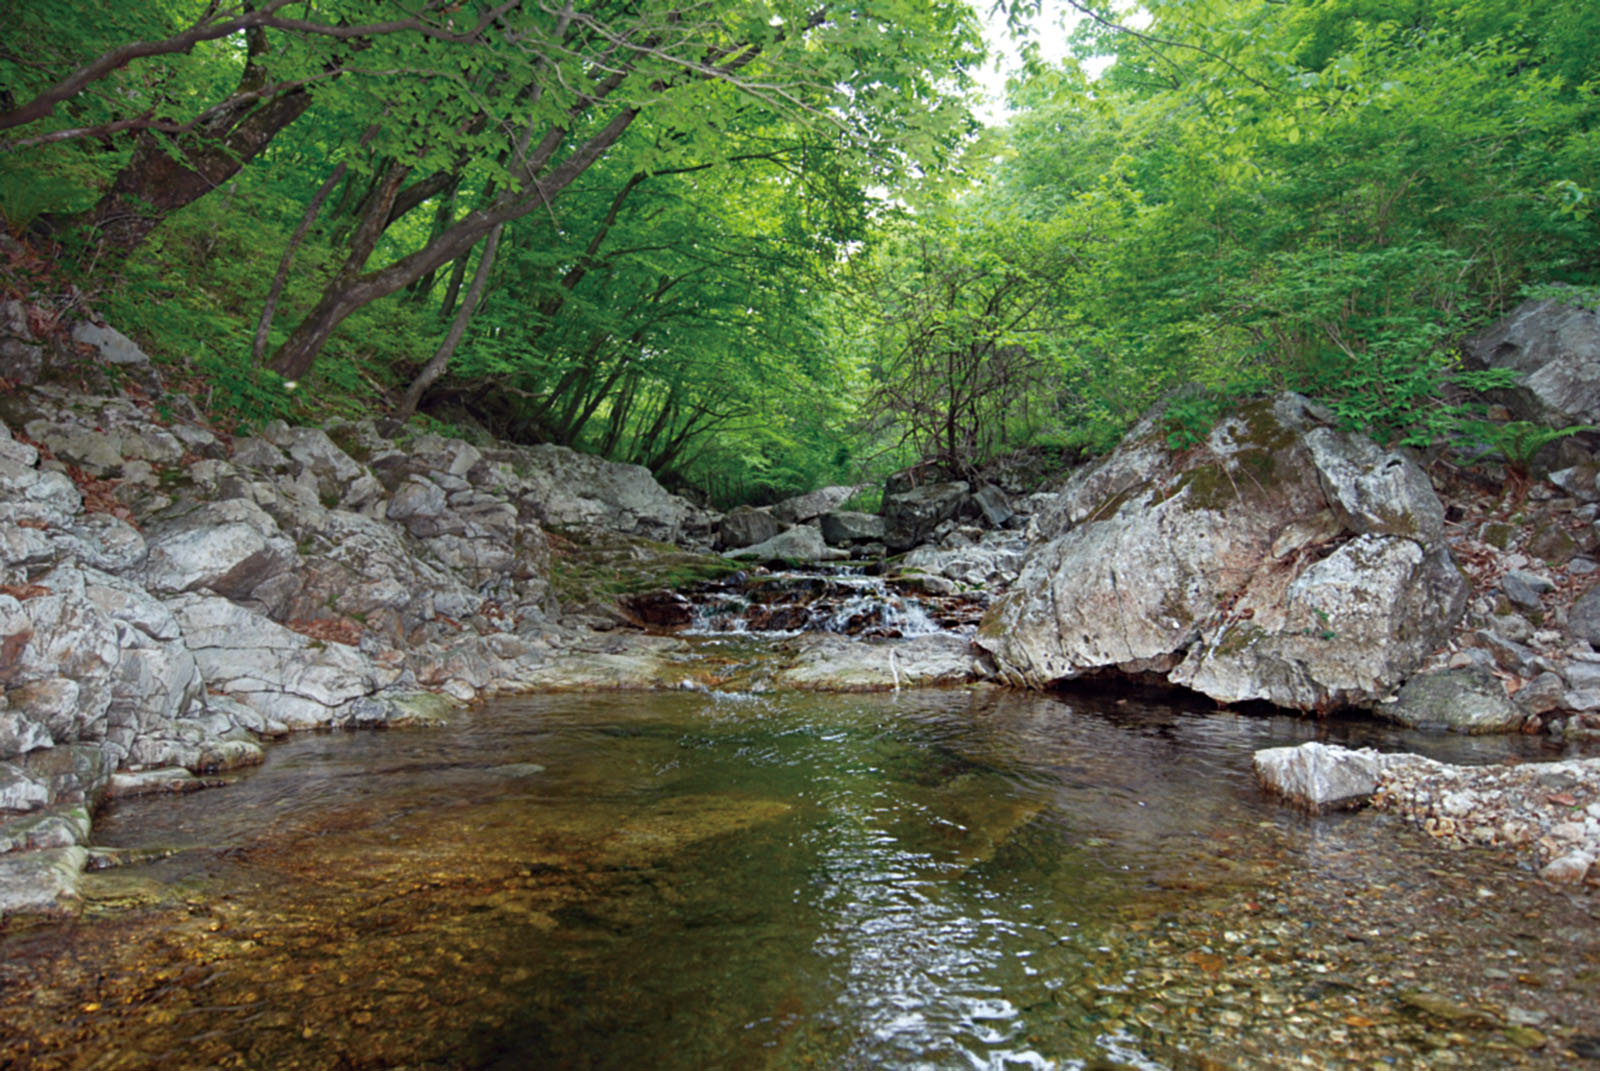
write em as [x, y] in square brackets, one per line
[590, 566]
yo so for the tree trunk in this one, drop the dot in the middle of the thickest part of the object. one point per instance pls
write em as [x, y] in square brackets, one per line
[168, 172]
[348, 291]
[441, 359]
[345, 295]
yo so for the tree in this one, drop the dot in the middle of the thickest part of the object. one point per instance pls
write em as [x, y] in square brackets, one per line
[964, 317]
[575, 83]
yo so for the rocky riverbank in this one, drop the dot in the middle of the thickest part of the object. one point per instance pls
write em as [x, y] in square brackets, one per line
[172, 595]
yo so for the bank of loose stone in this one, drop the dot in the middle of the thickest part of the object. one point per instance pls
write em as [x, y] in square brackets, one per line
[1548, 814]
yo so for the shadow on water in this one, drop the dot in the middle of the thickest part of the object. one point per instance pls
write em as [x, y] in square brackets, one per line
[926, 880]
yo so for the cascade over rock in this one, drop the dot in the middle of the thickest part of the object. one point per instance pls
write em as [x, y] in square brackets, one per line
[1279, 559]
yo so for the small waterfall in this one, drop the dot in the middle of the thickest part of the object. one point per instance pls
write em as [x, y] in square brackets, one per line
[841, 601]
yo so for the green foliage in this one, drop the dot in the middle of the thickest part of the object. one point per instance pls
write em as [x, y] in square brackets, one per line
[1189, 417]
[1320, 197]
[1519, 441]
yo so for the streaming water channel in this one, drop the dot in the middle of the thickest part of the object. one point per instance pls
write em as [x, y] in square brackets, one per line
[948, 879]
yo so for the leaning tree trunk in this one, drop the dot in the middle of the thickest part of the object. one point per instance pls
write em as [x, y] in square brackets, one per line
[168, 172]
[441, 359]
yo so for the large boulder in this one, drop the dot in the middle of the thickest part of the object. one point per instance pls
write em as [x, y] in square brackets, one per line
[1554, 349]
[1279, 560]
[1319, 777]
[813, 504]
[910, 516]
[1465, 700]
[285, 676]
[230, 547]
[745, 526]
[802, 543]
[843, 527]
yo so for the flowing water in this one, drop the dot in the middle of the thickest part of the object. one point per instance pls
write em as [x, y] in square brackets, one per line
[958, 879]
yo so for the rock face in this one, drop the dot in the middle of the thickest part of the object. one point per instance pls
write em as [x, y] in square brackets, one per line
[1555, 351]
[1279, 560]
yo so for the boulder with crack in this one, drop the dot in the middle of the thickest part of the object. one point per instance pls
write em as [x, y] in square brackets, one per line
[1280, 560]
[283, 675]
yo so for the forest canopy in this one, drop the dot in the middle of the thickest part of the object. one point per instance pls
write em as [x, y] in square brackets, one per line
[760, 246]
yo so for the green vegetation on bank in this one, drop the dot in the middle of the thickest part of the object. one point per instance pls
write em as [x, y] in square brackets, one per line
[758, 247]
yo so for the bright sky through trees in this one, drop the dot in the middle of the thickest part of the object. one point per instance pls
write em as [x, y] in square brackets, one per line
[1050, 28]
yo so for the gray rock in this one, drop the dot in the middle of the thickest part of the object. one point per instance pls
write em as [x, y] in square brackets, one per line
[282, 674]
[1577, 481]
[1373, 490]
[111, 345]
[911, 516]
[1261, 565]
[28, 494]
[563, 488]
[1540, 695]
[994, 506]
[230, 547]
[801, 543]
[1583, 618]
[992, 563]
[254, 453]
[41, 883]
[1535, 582]
[829, 663]
[453, 457]
[843, 527]
[1520, 592]
[418, 499]
[1467, 700]
[1555, 350]
[1583, 675]
[20, 353]
[1321, 777]
[812, 504]
[97, 453]
[59, 679]
[104, 542]
[60, 827]
[745, 526]
[331, 468]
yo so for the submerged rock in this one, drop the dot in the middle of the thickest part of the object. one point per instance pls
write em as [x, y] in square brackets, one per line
[830, 663]
[1278, 560]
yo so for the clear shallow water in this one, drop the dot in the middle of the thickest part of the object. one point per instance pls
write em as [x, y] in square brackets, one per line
[924, 880]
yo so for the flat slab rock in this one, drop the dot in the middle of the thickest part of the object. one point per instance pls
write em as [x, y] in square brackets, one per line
[1322, 777]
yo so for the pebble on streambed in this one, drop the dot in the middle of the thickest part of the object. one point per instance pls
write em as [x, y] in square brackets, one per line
[1548, 813]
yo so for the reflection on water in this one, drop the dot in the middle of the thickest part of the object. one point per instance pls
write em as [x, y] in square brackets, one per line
[935, 880]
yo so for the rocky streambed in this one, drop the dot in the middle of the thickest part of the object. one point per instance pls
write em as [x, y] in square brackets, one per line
[939, 879]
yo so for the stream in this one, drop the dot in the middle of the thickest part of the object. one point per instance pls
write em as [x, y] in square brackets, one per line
[688, 880]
